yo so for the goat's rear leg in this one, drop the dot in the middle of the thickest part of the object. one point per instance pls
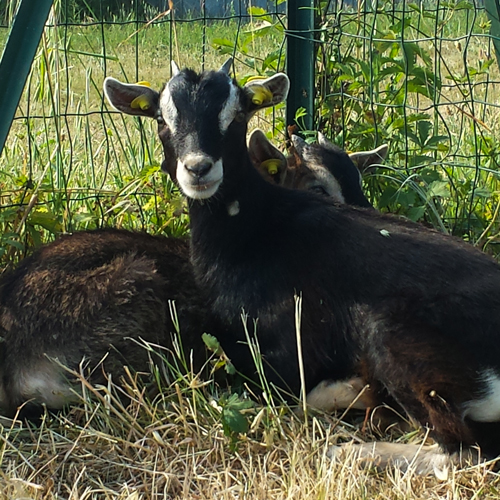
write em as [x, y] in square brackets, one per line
[433, 380]
[431, 377]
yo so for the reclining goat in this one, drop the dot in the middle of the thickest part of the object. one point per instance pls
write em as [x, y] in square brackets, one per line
[85, 303]
[323, 167]
[422, 308]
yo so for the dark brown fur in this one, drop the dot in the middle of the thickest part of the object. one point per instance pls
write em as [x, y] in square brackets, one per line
[90, 294]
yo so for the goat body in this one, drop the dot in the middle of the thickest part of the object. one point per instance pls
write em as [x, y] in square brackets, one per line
[87, 301]
[87, 295]
[422, 308]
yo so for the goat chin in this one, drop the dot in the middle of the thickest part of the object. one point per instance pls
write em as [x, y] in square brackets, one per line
[421, 460]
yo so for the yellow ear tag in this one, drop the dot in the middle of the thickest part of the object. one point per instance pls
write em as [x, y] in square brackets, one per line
[261, 95]
[140, 102]
[272, 165]
[144, 84]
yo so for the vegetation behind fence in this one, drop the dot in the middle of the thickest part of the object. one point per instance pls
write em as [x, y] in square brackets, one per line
[421, 77]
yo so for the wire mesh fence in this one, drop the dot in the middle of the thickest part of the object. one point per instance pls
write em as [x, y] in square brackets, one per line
[70, 162]
[421, 77]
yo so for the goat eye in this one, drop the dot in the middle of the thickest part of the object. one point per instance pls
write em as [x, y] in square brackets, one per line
[240, 116]
[160, 120]
[319, 189]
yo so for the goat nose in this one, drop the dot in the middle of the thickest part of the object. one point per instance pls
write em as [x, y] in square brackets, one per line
[199, 168]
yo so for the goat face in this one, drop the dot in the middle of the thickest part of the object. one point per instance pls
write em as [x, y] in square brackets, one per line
[329, 170]
[323, 168]
[198, 126]
[205, 114]
[197, 116]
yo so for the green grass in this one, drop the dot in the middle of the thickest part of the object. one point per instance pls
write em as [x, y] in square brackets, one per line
[81, 166]
[69, 164]
[431, 92]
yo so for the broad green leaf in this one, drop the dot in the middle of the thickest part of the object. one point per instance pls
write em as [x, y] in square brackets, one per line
[424, 128]
[229, 367]
[415, 213]
[48, 220]
[13, 243]
[435, 140]
[256, 11]
[234, 420]
[438, 188]
[482, 192]
[417, 160]
[413, 137]
[212, 343]
[387, 196]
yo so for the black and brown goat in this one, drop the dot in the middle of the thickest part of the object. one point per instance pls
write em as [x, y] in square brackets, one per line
[422, 308]
[84, 303]
[323, 167]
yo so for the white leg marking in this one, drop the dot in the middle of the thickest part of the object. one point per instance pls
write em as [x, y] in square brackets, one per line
[329, 396]
[44, 383]
[423, 460]
[487, 408]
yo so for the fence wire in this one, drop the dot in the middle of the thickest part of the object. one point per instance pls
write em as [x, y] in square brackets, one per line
[71, 162]
[421, 77]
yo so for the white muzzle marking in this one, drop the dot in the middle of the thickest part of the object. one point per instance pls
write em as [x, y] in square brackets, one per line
[199, 187]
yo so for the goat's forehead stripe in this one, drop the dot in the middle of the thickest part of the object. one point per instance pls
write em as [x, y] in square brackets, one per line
[229, 108]
[168, 108]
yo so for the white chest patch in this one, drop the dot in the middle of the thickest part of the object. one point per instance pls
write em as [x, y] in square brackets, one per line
[168, 109]
[487, 408]
[229, 109]
[233, 208]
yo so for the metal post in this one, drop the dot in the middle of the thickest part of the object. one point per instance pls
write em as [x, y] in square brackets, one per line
[300, 60]
[17, 58]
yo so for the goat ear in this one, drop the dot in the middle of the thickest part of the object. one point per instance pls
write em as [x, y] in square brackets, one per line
[365, 160]
[268, 92]
[299, 144]
[132, 98]
[268, 160]
[175, 68]
[323, 141]
[226, 67]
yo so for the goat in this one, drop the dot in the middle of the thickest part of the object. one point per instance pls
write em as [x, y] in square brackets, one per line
[422, 308]
[323, 167]
[77, 303]
[90, 298]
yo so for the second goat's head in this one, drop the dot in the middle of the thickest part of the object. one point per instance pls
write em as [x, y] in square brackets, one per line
[200, 117]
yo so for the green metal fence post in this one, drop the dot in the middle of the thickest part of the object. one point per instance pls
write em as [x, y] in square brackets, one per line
[17, 58]
[300, 60]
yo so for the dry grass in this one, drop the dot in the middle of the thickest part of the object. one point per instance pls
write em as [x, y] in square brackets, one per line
[174, 446]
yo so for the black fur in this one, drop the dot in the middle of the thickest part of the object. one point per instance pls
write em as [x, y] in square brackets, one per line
[338, 163]
[422, 308]
[92, 296]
